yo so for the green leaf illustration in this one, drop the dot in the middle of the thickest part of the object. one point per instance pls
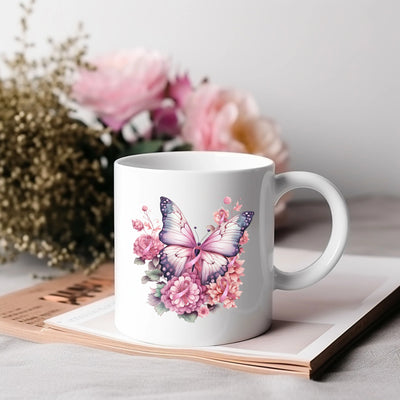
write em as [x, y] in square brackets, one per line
[139, 261]
[189, 317]
[145, 279]
[158, 289]
[154, 274]
[160, 308]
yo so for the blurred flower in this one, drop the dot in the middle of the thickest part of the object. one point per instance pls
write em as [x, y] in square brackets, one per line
[229, 120]
[180, 89]
[147, 247]
[166, 121]
[183, 294]
[123, 84]
[260, 135]
[208, 120]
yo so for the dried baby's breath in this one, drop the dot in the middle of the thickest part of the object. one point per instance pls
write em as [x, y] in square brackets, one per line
[55, 201]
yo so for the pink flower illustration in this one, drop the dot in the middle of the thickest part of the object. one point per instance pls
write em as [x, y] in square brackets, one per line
[123, 84]
[221, 216]
[235, 270]
[225, 291]
[203, 311]
[183, 294]
[137, 224]
[227, 200]
[238, 206]
[244, 239]
[147, 246]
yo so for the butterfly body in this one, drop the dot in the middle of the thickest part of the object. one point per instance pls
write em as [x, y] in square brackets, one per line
[183, 253]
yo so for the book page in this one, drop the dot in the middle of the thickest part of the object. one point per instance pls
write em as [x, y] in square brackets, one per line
[305, 322]
[22, 312]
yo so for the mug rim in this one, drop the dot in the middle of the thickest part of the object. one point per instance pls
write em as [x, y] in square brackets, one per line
[189, 161]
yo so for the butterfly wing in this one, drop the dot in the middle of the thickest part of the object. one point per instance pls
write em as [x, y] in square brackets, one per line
[175, 230]
[173, 260]
[213, 265]
[225, 239]
[178, 236]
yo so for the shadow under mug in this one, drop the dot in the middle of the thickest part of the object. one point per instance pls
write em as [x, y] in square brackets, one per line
[194, 238]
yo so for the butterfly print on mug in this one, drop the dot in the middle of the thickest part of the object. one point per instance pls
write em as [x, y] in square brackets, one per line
[192, 277]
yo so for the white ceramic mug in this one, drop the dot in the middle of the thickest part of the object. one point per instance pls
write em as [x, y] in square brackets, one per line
[194, 238]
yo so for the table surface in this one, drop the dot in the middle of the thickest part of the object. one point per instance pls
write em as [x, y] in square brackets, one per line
[371, 369]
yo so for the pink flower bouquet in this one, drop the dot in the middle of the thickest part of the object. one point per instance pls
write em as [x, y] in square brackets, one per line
[148, 109]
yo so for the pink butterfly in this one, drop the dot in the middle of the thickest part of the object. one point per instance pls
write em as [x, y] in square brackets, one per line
[183, 252]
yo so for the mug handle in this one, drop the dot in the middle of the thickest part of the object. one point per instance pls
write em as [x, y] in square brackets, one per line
[324, 264]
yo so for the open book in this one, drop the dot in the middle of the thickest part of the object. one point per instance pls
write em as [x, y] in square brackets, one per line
[310, 326]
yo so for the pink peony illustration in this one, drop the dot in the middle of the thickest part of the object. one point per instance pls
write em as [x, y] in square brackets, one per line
[147, 246]
[124, 84]
[183, 294]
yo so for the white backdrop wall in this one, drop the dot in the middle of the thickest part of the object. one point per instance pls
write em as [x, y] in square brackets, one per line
[326, 70]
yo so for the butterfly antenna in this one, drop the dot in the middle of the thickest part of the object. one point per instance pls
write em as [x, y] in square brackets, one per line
[205, 236]
[195, 232]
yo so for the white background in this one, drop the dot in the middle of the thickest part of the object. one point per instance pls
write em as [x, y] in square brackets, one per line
[327, 71]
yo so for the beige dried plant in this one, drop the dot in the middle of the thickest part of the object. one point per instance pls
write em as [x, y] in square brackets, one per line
[55, 198]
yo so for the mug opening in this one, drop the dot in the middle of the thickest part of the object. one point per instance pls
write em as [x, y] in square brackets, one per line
[195, 161]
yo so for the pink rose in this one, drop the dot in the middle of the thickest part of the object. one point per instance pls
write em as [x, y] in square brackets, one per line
[137, 224]
[261, 136]
[124, 84]
[211, 113]
[228, 120]
[147, 247]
